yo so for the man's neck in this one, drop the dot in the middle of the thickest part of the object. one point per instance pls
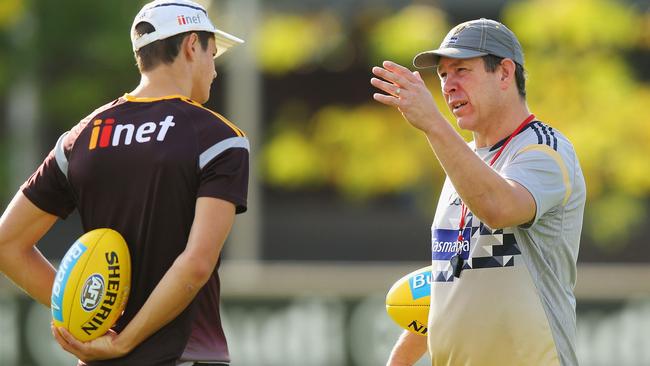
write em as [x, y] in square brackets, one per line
[162, 81]
[500, 127]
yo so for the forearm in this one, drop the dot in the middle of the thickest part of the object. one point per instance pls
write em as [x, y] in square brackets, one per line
[30, 271]
[22, 225]
[408, 349]
[487, 194]
[190, 271]
[171, 296]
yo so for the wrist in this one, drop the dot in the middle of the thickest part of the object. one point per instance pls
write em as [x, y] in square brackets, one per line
[437, 130]
[436, 123]
[123, 344]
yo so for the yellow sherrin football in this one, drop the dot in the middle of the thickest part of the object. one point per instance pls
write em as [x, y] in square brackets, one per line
[92, 284]
[407, 302]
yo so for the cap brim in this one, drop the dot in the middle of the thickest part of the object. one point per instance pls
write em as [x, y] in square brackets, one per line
[428, 59]
[225, 41]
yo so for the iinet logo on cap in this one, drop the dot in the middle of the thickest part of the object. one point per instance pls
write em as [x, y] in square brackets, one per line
[106, 133]
[186, 19]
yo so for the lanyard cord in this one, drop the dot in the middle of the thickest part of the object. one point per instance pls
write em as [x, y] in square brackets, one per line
[463, 208]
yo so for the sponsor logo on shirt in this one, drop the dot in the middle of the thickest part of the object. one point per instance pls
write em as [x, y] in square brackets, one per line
[107, 133]
[445, 243]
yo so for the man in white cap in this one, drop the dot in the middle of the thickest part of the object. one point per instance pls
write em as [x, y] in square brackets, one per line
[506, 232]
[166, 173]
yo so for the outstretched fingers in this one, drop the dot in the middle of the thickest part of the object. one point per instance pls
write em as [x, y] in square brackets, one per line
[388, 100]
[389, 76]
[399, 84]
[388, 88]
[401, 71]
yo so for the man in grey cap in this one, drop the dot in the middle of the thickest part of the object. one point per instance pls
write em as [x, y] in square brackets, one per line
[506, 232]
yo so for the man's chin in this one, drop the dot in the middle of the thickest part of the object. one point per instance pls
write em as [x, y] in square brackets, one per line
[463, 123]
[467, 124]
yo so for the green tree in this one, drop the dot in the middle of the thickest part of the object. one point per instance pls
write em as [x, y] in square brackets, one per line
[363, 151]
[288, 42]
[581, 83]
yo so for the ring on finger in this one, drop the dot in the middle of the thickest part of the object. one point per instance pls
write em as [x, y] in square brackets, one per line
[398, 91]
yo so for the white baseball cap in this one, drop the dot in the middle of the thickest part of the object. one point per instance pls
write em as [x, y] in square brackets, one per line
[172, 17]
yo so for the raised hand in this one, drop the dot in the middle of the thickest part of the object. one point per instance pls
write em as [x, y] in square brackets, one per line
[406, 91]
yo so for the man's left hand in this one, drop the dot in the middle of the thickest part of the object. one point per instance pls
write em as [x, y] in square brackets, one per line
[102, 348]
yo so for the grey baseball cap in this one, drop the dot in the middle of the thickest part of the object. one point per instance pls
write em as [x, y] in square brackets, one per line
[475, 38]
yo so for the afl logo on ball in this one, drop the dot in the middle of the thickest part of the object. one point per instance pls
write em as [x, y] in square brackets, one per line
[92, 292]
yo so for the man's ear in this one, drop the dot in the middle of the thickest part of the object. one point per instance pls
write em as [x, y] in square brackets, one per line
[507, 72]
[190, 45]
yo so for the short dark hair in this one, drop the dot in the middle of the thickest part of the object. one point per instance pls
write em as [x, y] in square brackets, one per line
[491, 62]
[164, 50]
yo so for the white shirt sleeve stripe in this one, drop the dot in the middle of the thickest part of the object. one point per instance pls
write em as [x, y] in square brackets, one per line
[59, 154]
[218, 148]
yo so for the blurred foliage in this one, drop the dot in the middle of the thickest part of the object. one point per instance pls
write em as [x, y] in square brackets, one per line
[363, 151]
[580, 25]
[400, 36]
[94, 62]
[290, 160]
[580, 82]
[15, 28]
[609, 216]
[12, 12]
[80, 55]
[287, 41]
[359, 150]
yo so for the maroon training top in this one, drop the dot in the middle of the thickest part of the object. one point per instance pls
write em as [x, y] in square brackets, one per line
[137, 165]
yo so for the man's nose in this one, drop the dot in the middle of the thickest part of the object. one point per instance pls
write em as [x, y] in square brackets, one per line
[448, 85]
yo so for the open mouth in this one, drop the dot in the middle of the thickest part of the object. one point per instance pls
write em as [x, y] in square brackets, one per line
[458, 105]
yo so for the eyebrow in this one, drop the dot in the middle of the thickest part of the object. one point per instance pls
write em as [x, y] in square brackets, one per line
[456, 62]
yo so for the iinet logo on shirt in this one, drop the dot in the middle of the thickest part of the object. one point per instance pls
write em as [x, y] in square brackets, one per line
[106, 133]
